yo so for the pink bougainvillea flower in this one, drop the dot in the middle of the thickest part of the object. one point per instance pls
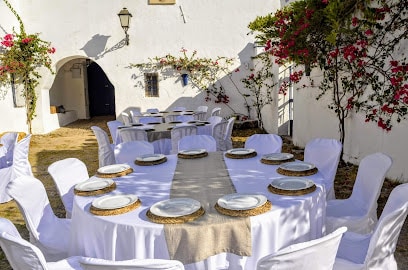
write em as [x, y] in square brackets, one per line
[237, 70]
[325, 1]
[8, 37]
[369, 32]
[354, 21]
[26, 40]
[51, 50]
[7, 43]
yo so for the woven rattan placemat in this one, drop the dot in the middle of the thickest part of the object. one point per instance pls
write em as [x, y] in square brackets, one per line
[200, 155]
[150, 163]
[95, 192]
[118, 211]
[175, 220]
[297, 173]
[291, 192]
[113, 175]
[244, 213]
[249, 155]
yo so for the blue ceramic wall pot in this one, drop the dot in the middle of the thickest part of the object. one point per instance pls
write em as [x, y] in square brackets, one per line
[185, 79]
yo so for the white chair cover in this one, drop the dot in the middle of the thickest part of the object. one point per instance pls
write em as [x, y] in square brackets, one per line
[113, 127]
[318, 254]
[202, 109]
[127, 120]
[170, 118]
[162, 146]
[185, 118]
[228, 134]
[128, 151]
[66, 173]
[218, 132]
[105, 149]
[152, 110]
[201, 116]
[216, 111]
[325, 154]
[150, 119]
[8, 140]
[131, 134]
[206, 142]
[264, 143]
[48, 232]
[376, 251]
[135, 264]
[214, 119]
[359, 212]
[5, 178]
[179, 132]
[178, 108]
[134, 115]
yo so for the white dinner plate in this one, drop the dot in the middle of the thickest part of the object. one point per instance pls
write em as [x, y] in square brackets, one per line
[150, 157]
[115, 168]
[114, 201]
[240, 151]
[93, 184]
[237, 201]
[297, 166]
[192, 152]
[292, 183]
[176, 207]
[277, 156]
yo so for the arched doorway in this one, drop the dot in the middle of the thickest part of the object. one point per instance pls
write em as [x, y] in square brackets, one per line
[101, 92]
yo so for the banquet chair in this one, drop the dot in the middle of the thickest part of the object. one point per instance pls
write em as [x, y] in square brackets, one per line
[376, 250]
[171, 118]
[206, 142]
[48, 232]
[127, 120]
[179, 132]
[359, 212]
[127, 152]
[202, 109]
[134, 115]
[216, 111]
[105, 148]
[66, 173]
[150, 119]
[214, 119]
[113, 128]
[201, 116]
[152, 110]
[8, 140]
[218, 132]
[264, 143]
[325, 155]
[178, 108]
[317, 254]
[23, 255]
[131, 134]
[228, 133]
[185, 118]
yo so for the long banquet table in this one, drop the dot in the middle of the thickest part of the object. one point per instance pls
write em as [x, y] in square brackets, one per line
[131, 235]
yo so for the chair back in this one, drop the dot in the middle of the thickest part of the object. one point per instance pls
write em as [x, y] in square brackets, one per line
[201, 116]
[131, 134]
[105, 150]
[20, 254]
[150, 119]
[179, 132]
[127, 152]
[318, 254]
[113, 128]
[5, 178]
[218, 132]
[228, 134]
[369, 180]
[216, 111]
[202, 109]
[264, 143]
[127, 120]
[206, 142]
[8, 140]
[325, 155]
[66, 173]
[135, 264]
[385, 237]
[21, 164]
[134, 115]
[152, 110]
[214, 119]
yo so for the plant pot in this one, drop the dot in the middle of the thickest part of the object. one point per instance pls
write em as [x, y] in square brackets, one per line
[185, 78]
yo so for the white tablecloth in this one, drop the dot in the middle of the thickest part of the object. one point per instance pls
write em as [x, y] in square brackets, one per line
[292, 219]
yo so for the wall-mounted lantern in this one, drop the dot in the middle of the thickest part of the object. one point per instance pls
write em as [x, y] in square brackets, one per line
[124, 17]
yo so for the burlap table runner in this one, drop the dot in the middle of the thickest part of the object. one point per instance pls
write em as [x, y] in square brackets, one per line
[206, 180]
